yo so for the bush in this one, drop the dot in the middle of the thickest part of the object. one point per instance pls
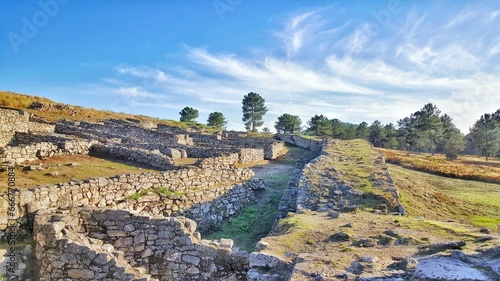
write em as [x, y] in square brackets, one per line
[451, 155]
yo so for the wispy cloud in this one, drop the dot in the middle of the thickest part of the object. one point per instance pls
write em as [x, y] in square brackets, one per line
[339, 69]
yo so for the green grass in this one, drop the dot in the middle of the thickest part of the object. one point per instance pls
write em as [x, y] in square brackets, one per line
[78, 113]
[441, 198]
[254, 222]
[160, 191]
[90, 167]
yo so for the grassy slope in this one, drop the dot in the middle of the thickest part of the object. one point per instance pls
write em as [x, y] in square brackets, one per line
[78, 113]
[354, 161]
[311, 232]
[90, 167]
[467, 167]
[441, 198]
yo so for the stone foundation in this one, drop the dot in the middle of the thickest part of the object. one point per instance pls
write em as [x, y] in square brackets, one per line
[96, 244]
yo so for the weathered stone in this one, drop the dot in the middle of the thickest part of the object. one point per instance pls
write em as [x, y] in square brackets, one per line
[81, 274]
[447, 269]
[191, 259]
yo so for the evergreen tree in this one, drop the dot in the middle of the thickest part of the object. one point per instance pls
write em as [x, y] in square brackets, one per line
[288, 124]
[319, 125]
[253, 110]
[376, 135]
[189, 114]
[429, 127]
[350, 131]
[362, 131]
[485, 135]
[338, 129]
[217, 120]
[407, 133]
[390, 141]
[452, 141]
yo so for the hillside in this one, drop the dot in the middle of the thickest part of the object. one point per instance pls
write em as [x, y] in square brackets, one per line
[360, 239]
[53, 111]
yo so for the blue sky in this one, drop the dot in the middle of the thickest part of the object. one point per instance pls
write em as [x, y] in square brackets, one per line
[352, 60]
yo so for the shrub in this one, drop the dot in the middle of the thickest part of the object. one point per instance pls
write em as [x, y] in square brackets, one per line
[451, 155]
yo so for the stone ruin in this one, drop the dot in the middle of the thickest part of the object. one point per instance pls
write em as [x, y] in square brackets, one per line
[136, 226]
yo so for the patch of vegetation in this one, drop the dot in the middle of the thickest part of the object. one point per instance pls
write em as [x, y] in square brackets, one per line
[467, 168]
[90, 167]
[254, 222]
[355, 163]
[441, 198]
[78, 113]
[160, 191]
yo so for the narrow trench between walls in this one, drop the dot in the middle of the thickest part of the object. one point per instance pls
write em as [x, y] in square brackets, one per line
[255, 221]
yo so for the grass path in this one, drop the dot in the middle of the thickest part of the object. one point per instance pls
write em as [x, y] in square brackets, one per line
[255, 221]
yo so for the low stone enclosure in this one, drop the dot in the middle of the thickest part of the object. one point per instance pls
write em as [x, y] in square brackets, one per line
[154, 204]
[98, 244]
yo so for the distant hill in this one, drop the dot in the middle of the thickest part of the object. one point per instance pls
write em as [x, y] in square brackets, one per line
[53, 111]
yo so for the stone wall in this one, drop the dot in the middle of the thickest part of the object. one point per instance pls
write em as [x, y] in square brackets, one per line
[127, 132]
[12, 120]
[272, 148]
[32, 146]
[15, 120]
[153, 158]
[302, 142]
[115, 191]
[96, 244]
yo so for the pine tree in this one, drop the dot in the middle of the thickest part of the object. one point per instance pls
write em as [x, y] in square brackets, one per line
[217, 120]
[253, 110]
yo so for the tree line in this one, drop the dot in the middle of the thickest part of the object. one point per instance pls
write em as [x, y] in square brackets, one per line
[426, 130]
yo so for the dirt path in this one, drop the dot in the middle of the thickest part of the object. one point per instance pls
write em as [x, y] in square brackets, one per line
[255, 221]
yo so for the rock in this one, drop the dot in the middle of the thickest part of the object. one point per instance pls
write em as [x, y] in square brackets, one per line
[191, 259]
[356, 268]
[102, 182]
[226, 243]
[333, 215]
[447, 269]
[74, 164]
[364, 242]
[485, 230]
[406, 263]
[53, 174]
[256, 275]
[339, 237]
[261, 245]
[370, 259]
[80, 274]
[440, 247]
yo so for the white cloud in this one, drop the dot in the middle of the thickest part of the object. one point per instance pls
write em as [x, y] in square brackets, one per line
[339, 70]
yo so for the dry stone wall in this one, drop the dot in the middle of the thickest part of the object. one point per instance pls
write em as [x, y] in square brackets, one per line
[96, 244]
[32, 146]
[153, 158]
[126, 132]
[300, 141]
[115, 191]
[15, 120]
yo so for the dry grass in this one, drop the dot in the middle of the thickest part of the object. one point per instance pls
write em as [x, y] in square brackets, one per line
[78, 113]
[440, 198]
[354, 163]
[90, 167]
[467, 167]
[311, 233]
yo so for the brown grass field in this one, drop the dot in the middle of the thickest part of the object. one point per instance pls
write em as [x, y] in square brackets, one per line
[466, 167]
